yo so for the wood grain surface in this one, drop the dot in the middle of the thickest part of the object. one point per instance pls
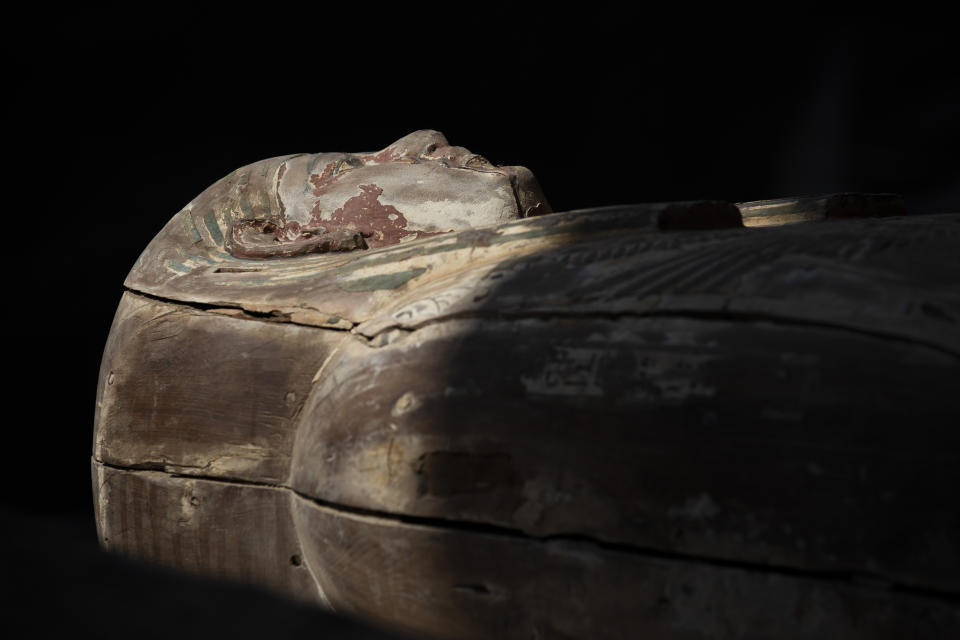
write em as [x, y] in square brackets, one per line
[242, 532]
[751, 441]
[450, 583]
[444, 582]
[600, 423]
[203, 393]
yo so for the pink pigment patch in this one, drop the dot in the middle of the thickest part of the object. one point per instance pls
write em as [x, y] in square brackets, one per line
[381, 225]
[387, 155]
[365, 213]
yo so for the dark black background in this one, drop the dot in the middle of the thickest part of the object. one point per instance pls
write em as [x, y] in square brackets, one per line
[116, 118]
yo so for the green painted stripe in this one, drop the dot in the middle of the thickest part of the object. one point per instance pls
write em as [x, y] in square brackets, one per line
[176, 266]
[199, 258]
[382, 281]
[224, 256]
[265, 199]
[190, 228]
[211, 221]
[245, 205]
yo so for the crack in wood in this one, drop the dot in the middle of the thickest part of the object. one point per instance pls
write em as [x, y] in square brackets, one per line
[726, 315]
[854, 579]
[333, 323]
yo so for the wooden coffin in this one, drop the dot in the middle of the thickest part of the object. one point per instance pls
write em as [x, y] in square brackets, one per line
[639, 421]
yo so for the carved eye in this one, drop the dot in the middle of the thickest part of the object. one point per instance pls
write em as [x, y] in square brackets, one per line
[477, 161]
[346, 164]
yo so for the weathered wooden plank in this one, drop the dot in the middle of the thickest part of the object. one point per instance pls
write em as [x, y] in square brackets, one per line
[203, 393]
[462, 583]
[472, 585]
[240, 532]
[897, 276]
[857, 366]
[788, 445]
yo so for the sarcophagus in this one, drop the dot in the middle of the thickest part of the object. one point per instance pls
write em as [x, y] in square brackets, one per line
[394, 383]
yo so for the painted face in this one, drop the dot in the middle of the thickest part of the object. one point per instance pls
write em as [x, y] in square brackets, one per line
[417, 187]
